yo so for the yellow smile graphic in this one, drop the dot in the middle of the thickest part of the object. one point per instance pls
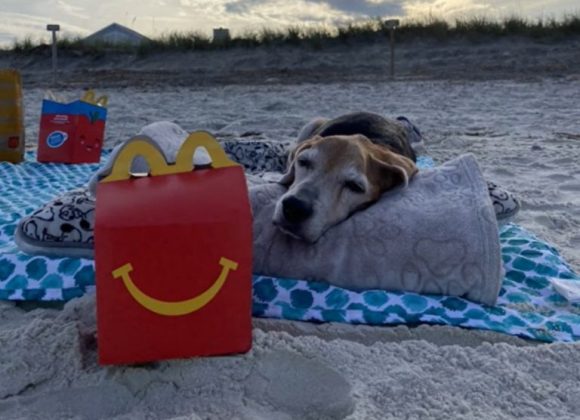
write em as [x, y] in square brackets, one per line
[178, 308]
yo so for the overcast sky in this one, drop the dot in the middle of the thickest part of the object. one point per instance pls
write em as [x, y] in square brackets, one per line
[20, 18]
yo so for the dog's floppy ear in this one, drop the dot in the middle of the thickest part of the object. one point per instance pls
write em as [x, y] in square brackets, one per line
[389, 169]
[288, 178]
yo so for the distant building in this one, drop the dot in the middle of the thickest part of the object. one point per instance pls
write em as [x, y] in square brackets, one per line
[116, 34]
[221, 35]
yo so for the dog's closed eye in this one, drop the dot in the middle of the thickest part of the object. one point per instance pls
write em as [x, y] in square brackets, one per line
[304, 162]
[355, 186]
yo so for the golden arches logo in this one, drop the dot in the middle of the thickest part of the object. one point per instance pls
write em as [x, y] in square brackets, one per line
[145, 147]
[177, 308]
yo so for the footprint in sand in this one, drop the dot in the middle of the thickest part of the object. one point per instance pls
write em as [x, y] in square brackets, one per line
[302, 388]
[502, 171]
[558, 177]
[575, 241]
[562, 161]
[570, 186]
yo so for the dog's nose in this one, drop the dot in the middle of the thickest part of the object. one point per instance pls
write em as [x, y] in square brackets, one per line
[296, 210]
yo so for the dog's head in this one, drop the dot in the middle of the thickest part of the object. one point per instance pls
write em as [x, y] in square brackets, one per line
[332, 177]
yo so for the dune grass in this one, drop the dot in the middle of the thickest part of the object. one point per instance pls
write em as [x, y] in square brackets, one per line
[476, 29]
[24, 45]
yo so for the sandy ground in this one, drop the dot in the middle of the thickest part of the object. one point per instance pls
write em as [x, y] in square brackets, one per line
[336, 62]
[526, 135]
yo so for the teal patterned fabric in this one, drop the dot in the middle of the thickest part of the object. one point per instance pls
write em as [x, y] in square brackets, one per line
[24, 188]
[528, 306]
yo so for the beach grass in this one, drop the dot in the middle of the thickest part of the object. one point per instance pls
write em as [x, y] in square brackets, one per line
[476, 29]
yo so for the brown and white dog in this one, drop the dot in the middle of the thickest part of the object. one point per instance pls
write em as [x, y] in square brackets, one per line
[338, 167]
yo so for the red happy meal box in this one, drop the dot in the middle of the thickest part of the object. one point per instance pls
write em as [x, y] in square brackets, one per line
[173, 256]
[73, 132]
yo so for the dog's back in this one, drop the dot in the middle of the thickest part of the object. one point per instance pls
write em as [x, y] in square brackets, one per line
[378, 129]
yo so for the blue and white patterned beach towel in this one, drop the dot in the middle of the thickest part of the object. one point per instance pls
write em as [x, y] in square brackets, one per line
[528, 306]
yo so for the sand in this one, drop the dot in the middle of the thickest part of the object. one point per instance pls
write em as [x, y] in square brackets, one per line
[480, 58]
[526, 136]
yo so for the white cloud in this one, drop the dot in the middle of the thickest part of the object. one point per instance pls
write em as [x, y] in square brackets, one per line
[73, 11]
[18, 26]
[451, 9]
[447, 9]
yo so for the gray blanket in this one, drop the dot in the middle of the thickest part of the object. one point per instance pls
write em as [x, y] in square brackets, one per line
[438, 236]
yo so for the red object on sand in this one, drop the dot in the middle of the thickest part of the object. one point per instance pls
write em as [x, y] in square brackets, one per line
[173, 255]
[71, 133]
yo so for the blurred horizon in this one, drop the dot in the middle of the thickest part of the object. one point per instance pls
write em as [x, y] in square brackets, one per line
[19, 20]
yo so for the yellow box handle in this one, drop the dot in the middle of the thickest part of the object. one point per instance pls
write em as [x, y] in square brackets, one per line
[150, 151]
[91, 98]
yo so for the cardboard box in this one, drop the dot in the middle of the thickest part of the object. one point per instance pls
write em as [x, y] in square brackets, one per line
[72, 132]
[12, 140]
[173, 255]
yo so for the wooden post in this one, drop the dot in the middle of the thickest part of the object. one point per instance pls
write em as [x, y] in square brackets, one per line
[392, 30]
[54, 29]
[391, 25]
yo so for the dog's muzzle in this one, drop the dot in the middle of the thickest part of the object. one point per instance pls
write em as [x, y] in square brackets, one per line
[296, 210]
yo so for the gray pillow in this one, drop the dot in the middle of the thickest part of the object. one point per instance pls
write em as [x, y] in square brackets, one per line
[414, 239]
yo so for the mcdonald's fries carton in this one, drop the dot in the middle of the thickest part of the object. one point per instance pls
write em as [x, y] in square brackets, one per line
[173, 256]
[11, 120]
[72, 132]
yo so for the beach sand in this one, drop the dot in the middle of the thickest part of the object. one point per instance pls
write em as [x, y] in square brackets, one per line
[525, 134]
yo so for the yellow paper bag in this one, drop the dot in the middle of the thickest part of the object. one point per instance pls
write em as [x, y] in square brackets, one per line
[11, 118]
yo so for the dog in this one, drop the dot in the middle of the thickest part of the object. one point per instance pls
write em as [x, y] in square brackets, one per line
[338, 167]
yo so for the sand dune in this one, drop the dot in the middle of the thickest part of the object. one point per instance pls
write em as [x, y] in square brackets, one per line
[355, 61]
